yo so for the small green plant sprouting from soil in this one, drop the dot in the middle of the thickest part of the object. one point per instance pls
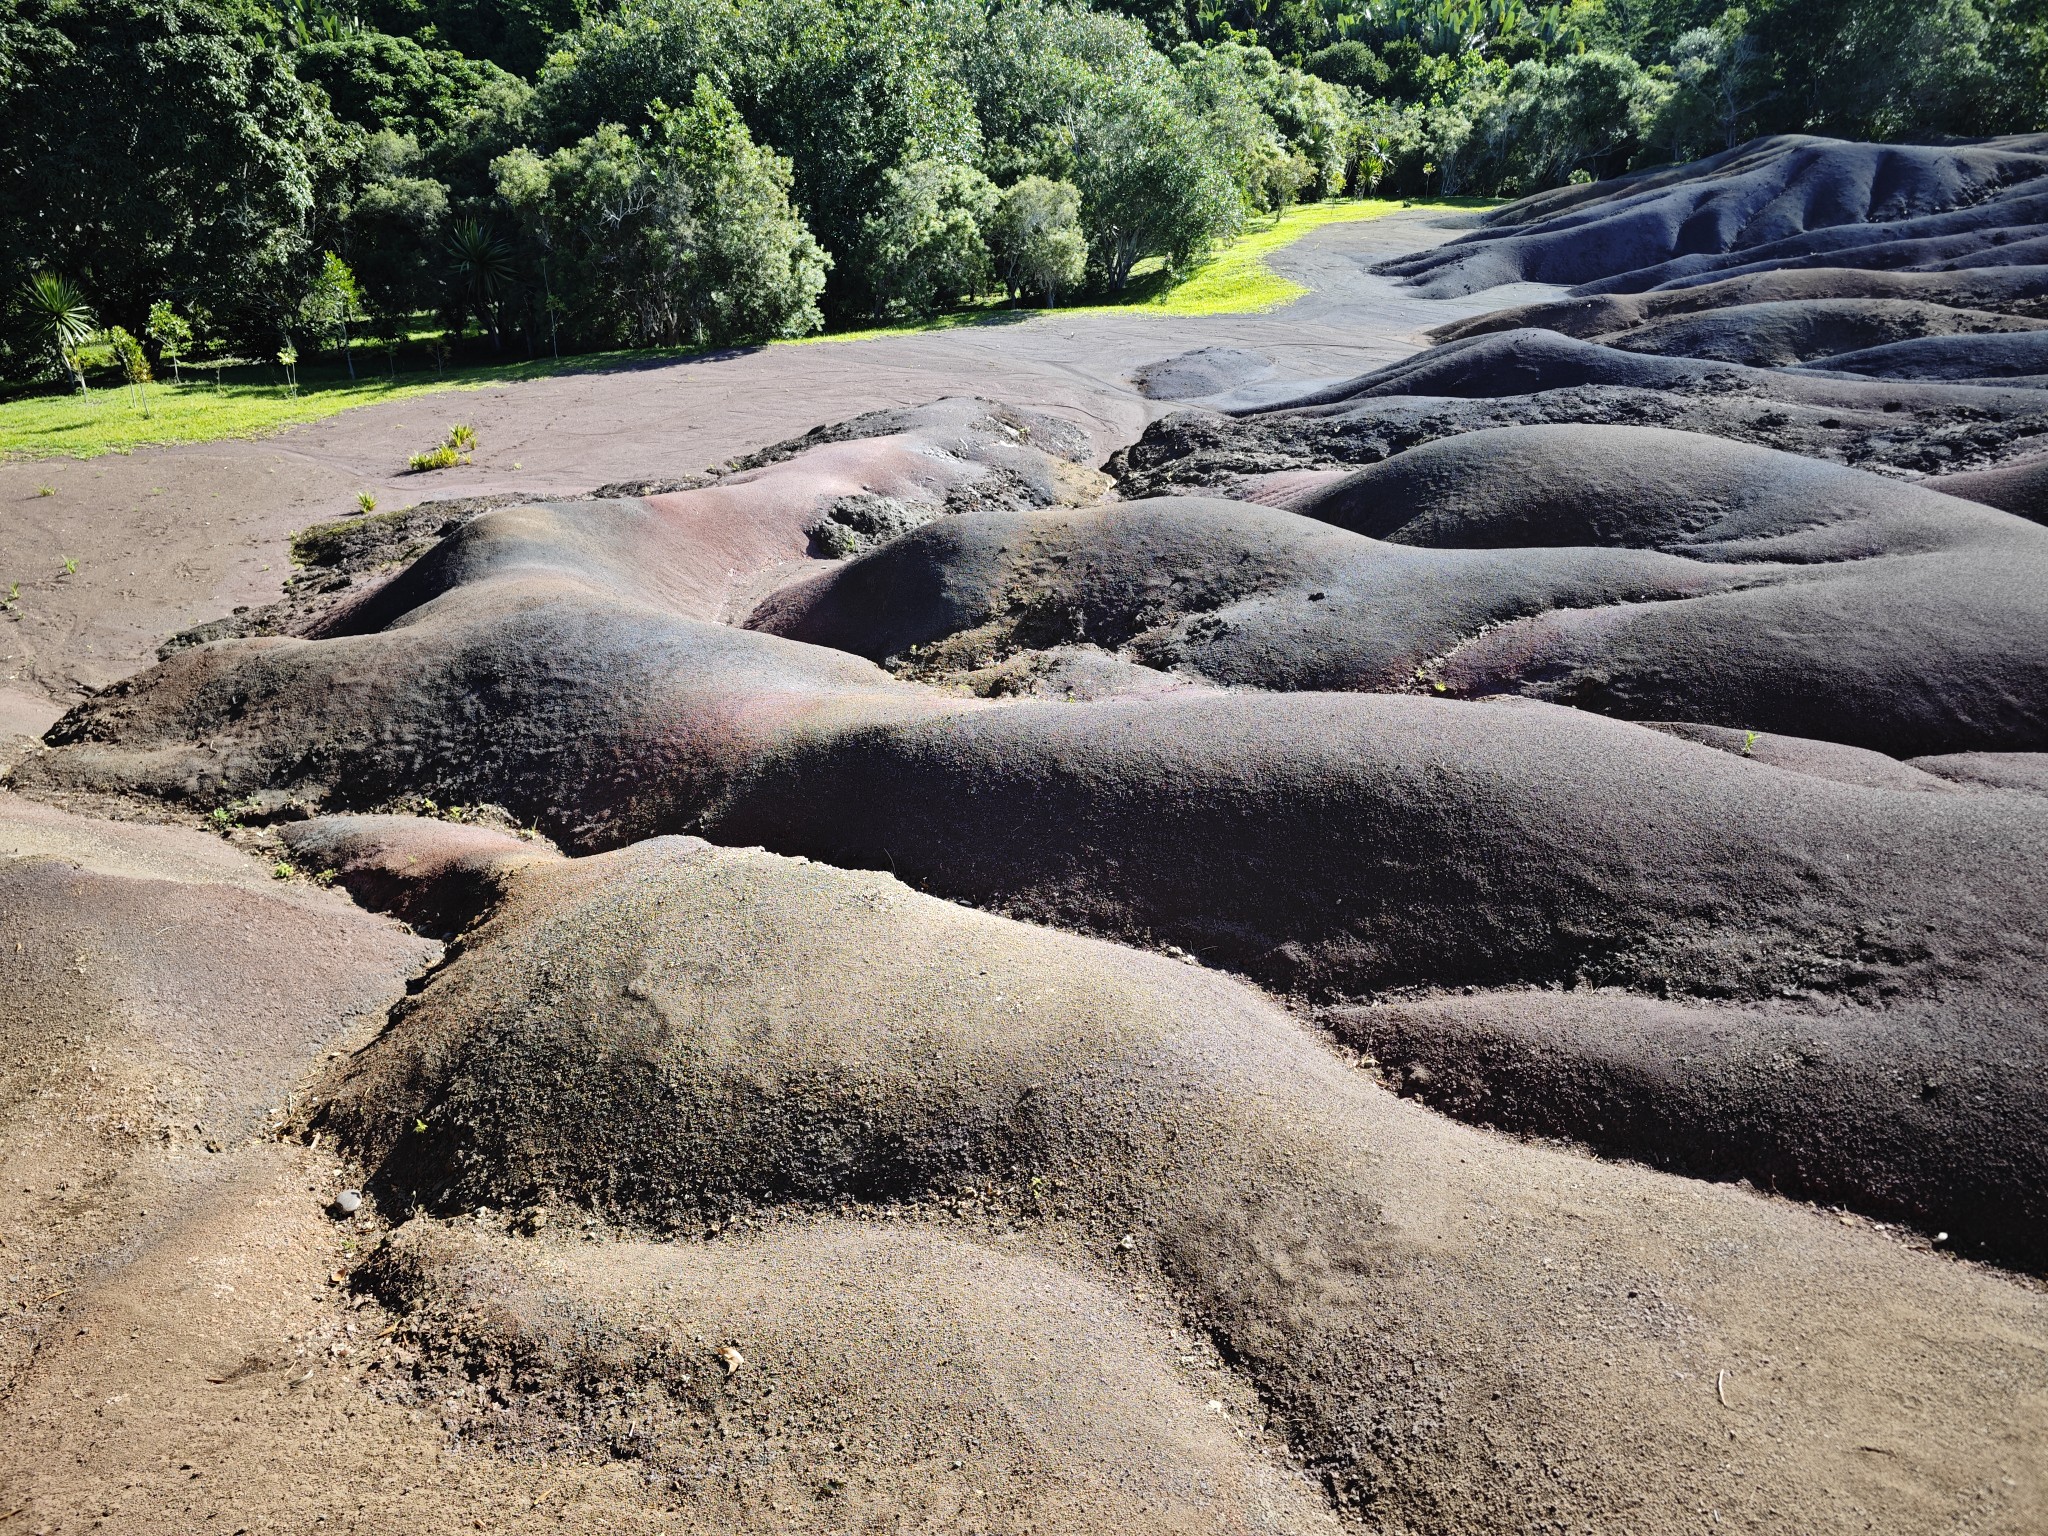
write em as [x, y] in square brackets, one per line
[443, 457]
[46, 490]
[70, 566]
[281, 870]
[366, 503]
[1748, 743]
[455, 449]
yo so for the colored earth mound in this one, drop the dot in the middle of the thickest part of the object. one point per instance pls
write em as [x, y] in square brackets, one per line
[1455, 950]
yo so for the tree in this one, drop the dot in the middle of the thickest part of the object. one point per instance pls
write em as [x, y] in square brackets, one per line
[1036, 236]
[1717, 85]
[752, 269]
[129, 358]
[395, 233]
[482, 265]
[1151, 183]
[329, 305]
[681, 235]
[1588, 112]
[170, 333]
[1350, 63]
[926, 242]
[844, 91]
[59, 315]
[397, 84]
[1880, 69]
[523, 186]
[1253, 102]
[154, 136]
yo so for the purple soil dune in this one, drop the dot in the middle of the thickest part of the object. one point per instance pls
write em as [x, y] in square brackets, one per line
[2019, 486]
[2015, 291]
[1769, 202]
[1636, 572]
[1815, 330]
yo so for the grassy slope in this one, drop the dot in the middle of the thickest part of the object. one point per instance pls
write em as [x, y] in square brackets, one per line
[1236, 280]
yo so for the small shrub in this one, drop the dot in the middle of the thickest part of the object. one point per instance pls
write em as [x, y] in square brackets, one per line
[443, 457]
[455, 449]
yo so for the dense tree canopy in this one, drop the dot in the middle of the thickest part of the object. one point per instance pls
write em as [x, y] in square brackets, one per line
[563, 173]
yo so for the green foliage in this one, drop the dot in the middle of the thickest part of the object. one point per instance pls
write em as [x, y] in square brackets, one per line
[148, 138]
[481, 263]
[454, 449]
[169, 332]
[59, 318]
[682, 234]
[514, 34]
[511, 167]
[1547, 121]
[925, 241]
[128, 355]
[396, 231]
[1349, 63]
[134, 365]
[1035, 235]
[395, 84]
[1152, 183]
[330, 303]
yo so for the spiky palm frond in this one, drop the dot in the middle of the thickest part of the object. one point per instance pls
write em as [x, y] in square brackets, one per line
[59, 310]
[482, 260]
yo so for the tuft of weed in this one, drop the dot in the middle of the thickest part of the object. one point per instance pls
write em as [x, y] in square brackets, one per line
[454, 449]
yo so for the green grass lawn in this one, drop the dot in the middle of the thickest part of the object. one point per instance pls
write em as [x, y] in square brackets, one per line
[47, 426]
[1236, 280]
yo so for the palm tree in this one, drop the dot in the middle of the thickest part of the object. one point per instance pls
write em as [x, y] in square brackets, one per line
[484, 264]
[59, 312]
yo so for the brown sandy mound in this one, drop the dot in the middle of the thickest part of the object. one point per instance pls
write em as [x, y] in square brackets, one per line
[735, 1191]
[538, 649]
[1339, 843]
[1991, 770]
[888, 1375]
[161, 995]
[677, 1034]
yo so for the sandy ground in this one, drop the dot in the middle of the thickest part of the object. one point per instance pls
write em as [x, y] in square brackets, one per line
[165, 538]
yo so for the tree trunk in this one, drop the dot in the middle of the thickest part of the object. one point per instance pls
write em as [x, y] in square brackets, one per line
[78, 373]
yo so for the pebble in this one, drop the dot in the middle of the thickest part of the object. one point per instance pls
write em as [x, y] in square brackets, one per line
[348, 1202]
